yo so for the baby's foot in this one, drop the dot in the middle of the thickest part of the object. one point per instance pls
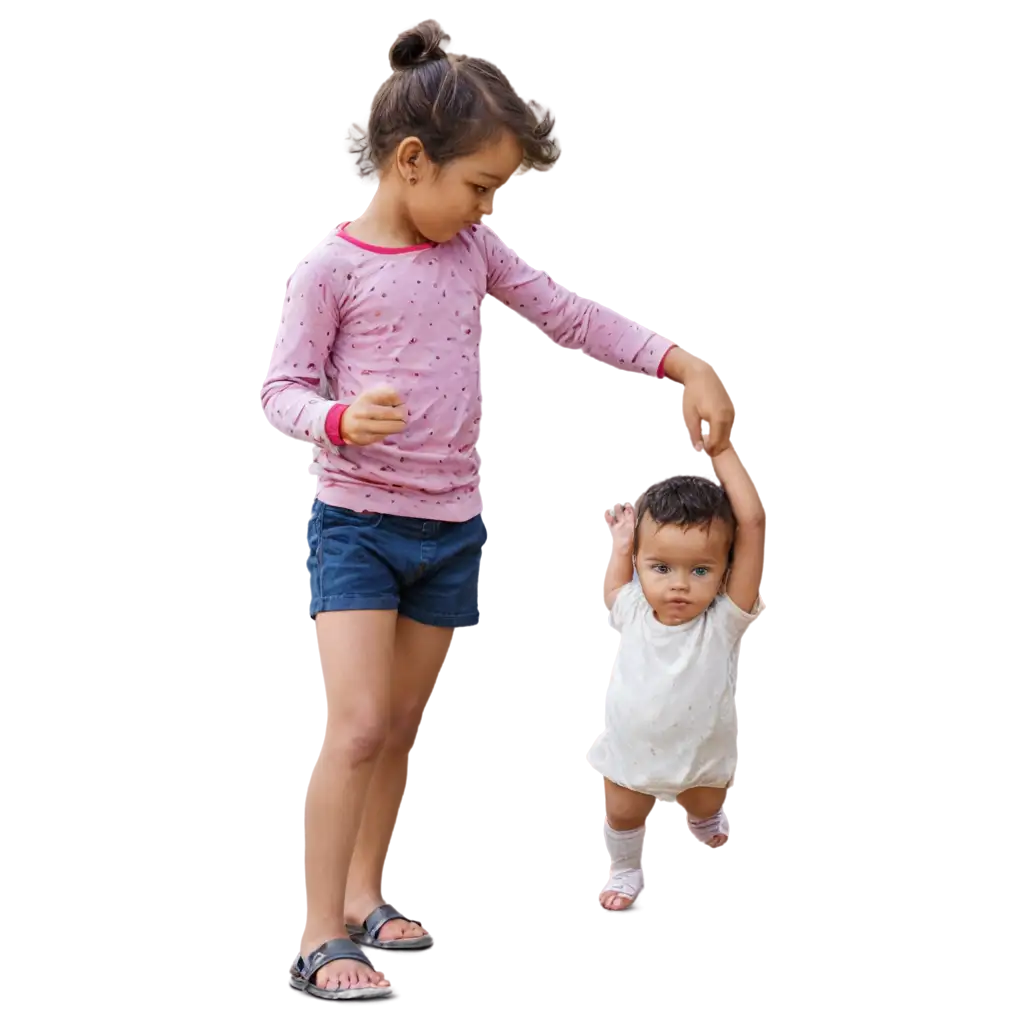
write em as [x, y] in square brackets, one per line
[717, 844]
[615, 902]
[621, 893]
[714, 833]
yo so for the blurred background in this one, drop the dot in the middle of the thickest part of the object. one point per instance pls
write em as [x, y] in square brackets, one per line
[827, 200]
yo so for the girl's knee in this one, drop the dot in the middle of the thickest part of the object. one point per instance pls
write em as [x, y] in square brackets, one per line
[402, 729]
[357, 739]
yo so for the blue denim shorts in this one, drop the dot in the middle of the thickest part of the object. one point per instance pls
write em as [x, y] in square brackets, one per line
[426, 569]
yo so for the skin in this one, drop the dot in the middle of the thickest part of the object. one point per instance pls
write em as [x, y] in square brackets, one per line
[419, 202]
[681, 569]
[379, 671]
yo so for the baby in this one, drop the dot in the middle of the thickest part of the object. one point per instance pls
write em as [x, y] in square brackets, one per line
[682, 586]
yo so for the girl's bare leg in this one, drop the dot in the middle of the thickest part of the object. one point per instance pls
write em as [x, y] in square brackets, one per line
[419, 654]
[356, 654]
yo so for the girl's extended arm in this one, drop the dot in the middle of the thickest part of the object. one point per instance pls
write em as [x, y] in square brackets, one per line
[566, 318]
[744, 581]
[574, 322]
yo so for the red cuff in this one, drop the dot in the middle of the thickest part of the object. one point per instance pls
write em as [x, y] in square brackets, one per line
[661, 365]
[332, 425]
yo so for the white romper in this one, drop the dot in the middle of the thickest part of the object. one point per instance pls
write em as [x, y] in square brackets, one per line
[670, 712]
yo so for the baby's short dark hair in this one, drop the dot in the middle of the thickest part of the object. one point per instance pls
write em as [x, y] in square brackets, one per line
[452, 104]
[684, 501]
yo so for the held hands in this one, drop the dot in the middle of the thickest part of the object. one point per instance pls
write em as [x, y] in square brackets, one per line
[621, 521]
[706, 400]
[374, 415]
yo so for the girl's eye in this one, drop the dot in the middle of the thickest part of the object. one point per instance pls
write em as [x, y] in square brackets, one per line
[482, 189]
[661, 569]
[700, 572]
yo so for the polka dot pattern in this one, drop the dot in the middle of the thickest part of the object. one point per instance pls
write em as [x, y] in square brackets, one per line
[353, 319]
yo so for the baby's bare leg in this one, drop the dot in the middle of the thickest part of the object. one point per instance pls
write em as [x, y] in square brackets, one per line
[704, 814]
[626, 813]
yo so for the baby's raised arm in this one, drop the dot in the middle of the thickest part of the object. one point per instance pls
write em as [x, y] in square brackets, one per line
[744, 581]
[621, 521]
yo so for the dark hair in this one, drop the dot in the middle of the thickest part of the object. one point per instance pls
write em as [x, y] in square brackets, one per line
[452, 104]
[684, 501]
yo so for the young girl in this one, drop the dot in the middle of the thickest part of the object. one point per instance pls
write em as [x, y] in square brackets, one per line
[682, 588]
[376, 363]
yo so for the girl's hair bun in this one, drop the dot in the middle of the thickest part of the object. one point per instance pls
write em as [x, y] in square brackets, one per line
[419, 45]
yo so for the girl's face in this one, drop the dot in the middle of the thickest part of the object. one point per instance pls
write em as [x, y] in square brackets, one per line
[448, 199]
[681, 569]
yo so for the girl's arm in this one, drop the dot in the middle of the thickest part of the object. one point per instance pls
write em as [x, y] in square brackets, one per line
[574, 322]
[570, 321]
[291, 395]
[744, 582]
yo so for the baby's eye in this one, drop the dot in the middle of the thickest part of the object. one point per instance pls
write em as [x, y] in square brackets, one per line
[701, 572]
[662, 569]
[482, 189]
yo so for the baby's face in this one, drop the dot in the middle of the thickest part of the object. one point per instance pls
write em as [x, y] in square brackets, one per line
[681, 568]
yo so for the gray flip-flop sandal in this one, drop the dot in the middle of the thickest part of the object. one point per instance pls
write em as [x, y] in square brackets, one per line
[367, 934]
[304, 971]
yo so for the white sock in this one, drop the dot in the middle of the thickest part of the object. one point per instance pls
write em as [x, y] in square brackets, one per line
[625, 848]
[707, 828]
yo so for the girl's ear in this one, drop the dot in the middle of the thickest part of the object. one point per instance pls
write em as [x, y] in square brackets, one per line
[411, 160]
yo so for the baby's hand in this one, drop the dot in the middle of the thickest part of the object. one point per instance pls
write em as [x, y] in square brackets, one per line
[621, 521]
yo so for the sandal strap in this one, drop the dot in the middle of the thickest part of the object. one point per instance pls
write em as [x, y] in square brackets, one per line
[333, 949]
[380, 917]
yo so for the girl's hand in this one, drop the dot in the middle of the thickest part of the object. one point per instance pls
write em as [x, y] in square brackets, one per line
[375, 414]
[621, 521]
[705, 399]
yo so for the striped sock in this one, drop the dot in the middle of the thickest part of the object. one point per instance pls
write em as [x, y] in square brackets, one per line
[717, 824]
[624, 848]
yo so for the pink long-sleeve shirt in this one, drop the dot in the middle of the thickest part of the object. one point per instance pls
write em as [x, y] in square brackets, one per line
[356, 316]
